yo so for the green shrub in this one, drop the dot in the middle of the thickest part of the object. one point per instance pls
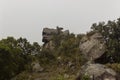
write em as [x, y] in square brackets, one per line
[85, 77]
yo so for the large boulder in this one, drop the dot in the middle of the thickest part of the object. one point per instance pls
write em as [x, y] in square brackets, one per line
[92, 47]
[97, 72]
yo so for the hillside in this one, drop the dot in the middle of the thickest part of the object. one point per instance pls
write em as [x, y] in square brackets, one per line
[64, 55]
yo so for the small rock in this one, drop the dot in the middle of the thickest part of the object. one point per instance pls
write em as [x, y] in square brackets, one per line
[66, 76]
[36, 67]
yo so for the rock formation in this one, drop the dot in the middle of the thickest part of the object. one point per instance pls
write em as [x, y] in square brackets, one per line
[93, 47]
[97, 72]
[48, 34]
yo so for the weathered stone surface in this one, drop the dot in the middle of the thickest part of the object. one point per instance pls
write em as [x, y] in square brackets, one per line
[49, 45]
[97, 72]
[92, 47]
[36, 67]
[48, 34]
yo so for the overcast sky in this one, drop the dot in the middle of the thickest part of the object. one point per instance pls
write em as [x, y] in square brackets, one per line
[27, 18]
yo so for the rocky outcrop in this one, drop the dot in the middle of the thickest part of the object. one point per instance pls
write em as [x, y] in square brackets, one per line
[97, 72]
[48, 34]
[92, 47]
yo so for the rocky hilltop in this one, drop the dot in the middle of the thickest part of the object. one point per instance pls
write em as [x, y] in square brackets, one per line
[68, 56]
[94, 55]
[65, 56]
[92, 48]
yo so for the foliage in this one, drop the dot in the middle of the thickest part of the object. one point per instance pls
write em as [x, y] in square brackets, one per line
[85, 77]
[22, 76]
[68, 49]
[11, 64]
[59, 77]
[15, 56]
[46, 57]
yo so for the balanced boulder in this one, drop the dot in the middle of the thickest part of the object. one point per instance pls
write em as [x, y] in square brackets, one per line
[93, 47]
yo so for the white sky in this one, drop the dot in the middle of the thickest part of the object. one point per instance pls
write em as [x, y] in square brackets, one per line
[27, 18]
